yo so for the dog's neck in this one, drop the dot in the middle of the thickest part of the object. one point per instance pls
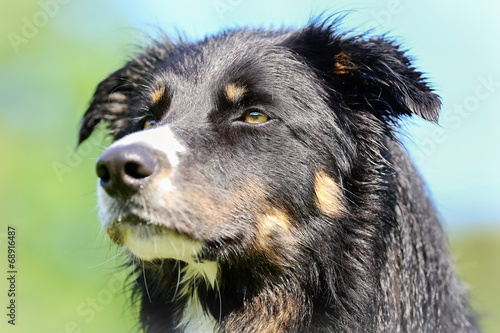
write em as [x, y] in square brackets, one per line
[205, 294]
[194, 317]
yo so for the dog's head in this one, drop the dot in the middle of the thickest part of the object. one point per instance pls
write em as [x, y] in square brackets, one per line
[230, 145]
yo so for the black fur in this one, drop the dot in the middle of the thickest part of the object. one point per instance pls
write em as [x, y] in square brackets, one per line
[378, 264]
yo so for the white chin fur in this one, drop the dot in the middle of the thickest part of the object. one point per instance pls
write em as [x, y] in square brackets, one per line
[166, 245]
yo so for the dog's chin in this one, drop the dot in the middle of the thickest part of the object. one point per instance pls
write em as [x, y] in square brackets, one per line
[148, 240]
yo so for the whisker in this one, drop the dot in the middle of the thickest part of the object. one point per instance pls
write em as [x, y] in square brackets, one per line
[105, 262]
[177, 264]
[146, 283]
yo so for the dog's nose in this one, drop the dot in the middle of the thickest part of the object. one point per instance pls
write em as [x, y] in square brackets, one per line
[124, 170]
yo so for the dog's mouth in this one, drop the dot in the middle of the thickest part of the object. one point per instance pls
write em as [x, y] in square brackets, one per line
[149, 239]
[134, 220]
[131, 222]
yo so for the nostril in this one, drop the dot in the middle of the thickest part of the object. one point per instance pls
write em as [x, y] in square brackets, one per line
[138, 170]
[103, 172]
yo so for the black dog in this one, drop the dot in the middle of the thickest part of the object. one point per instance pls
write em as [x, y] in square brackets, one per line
[263, 188]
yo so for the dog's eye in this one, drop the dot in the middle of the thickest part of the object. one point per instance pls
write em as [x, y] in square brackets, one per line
[255, 117]
[148, 122]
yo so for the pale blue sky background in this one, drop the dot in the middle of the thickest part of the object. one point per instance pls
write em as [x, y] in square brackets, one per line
[455, 43]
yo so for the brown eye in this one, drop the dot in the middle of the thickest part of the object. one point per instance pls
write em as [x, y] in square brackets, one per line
[148, 122]
[255, 117]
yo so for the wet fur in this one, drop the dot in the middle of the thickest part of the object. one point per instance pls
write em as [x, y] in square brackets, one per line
[368, 257]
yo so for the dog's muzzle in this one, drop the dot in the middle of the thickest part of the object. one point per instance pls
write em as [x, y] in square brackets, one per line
[135, 161]
[135, 191]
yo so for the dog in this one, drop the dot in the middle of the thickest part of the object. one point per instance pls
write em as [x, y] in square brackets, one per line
[257, 181]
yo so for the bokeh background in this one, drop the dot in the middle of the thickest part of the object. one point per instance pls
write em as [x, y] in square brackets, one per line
[54, 52]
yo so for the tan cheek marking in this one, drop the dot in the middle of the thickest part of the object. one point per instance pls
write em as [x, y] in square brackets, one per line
[274, 228]
[211, 212]
[157, 95]
[342, 64]
[234, 92]
[327, 194]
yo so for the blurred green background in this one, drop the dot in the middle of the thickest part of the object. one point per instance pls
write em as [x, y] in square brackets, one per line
[52, 55]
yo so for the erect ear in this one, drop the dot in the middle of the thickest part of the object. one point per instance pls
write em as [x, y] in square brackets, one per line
[116, 97]
[373, 71]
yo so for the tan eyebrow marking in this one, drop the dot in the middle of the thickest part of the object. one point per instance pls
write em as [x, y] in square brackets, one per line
[234, 92]
[274, 234]
[158, 95]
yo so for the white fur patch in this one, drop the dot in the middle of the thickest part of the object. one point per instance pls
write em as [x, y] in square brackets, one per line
[159, 246]
[194, 319]
[161, 138]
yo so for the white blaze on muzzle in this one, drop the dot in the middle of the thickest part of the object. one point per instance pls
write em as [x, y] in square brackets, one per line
[161, 138]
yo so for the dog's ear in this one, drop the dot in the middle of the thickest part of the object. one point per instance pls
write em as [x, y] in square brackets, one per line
[111, 101]
[374, 70]
[116, 98]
